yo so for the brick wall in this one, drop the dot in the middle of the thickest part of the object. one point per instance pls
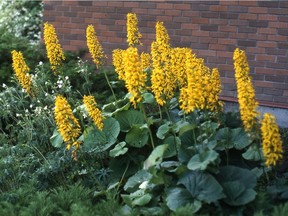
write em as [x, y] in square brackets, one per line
[213, 29]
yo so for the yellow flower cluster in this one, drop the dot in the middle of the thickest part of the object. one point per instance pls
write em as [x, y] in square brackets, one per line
[203, 87]
[178, 61]
[54, 51]
[246, 93]
[135, 77]
[94, 46]
[93, 111]
[163, 81]
[117, 61]
[68, 126]
[21, 70]
[133, 34]
[271, 140]
[145, 61]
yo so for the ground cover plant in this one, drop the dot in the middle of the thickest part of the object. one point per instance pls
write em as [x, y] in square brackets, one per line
[71, 146]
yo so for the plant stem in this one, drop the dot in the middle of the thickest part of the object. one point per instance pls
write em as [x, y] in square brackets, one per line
[109, 84]
[149, 130]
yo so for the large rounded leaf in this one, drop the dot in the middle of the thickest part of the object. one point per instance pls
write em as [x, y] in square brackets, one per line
[129, 118]
[96, 140]
[202, 160]
[179, 197]
[137, 136]
[238, 184]
[202, 186]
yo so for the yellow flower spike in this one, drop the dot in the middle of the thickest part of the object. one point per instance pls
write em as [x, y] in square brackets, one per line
[135, 77]
[117, 61]
[93, 111]
[67, 125]
[178, 58]
[21, 70]
[54, 51]
[213, 89]
[94, 46]
[163, 80]
[145, 61]
[246, 93]
[133, 34]
[271, 140]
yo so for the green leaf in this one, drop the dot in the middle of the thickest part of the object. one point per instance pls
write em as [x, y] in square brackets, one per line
[238, 184]
[155, 157]
[237, 194]
[202, 160]
[163, 130]
[96, 140]
[119, 149]
[148, 98]
[137, 179]
[240, 138]
[229, 138]
[252, 153]
[138, 198]
[129, 118]
[137, 136]
[202, 186]
[173, 146]
[233, 173]
[56, 139]
[179, 197]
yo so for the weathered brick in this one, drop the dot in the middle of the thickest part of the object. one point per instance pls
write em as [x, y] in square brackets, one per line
[269, 58]
[209, 14]
[246, 43]
[283, 59]
[164, 6]
[247, 16]
[258, 23]
[283, 32]
[245, 29]
[258, 10]
[209, 27]
[229, 15]
[271, 78]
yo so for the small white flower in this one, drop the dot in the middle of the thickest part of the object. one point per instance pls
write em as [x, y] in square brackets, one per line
[46, 94]
[40, 63]
[4, 86]
[52, 91]
[26, 111]
[45, 108]
[17, 114]
[31, 105]
[66, 78]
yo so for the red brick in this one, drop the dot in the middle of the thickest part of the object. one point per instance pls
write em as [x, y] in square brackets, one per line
[260, 83]
[200, 33]
[247, 16]
[258, 10]
[226, 41]
[278, 25]
[267, 17]
[182, 6]
[277, 38]
[164, 18]
[267, 31]
[266, 44]
[164, 6]
[131, 4]
[255, 50]
[115, 4]
[189, 26]
[218, 8]
[248, 3]
[263, 57]
[173, 12]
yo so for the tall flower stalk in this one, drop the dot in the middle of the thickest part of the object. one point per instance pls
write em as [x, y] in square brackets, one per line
[271, 140]
[94, 46]
[93, 111]
[133, 34]
[97, 52]
[246, 93]
[135, 77]
[162, 79]
[55, 53]
[21, 70]
[67, 124]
